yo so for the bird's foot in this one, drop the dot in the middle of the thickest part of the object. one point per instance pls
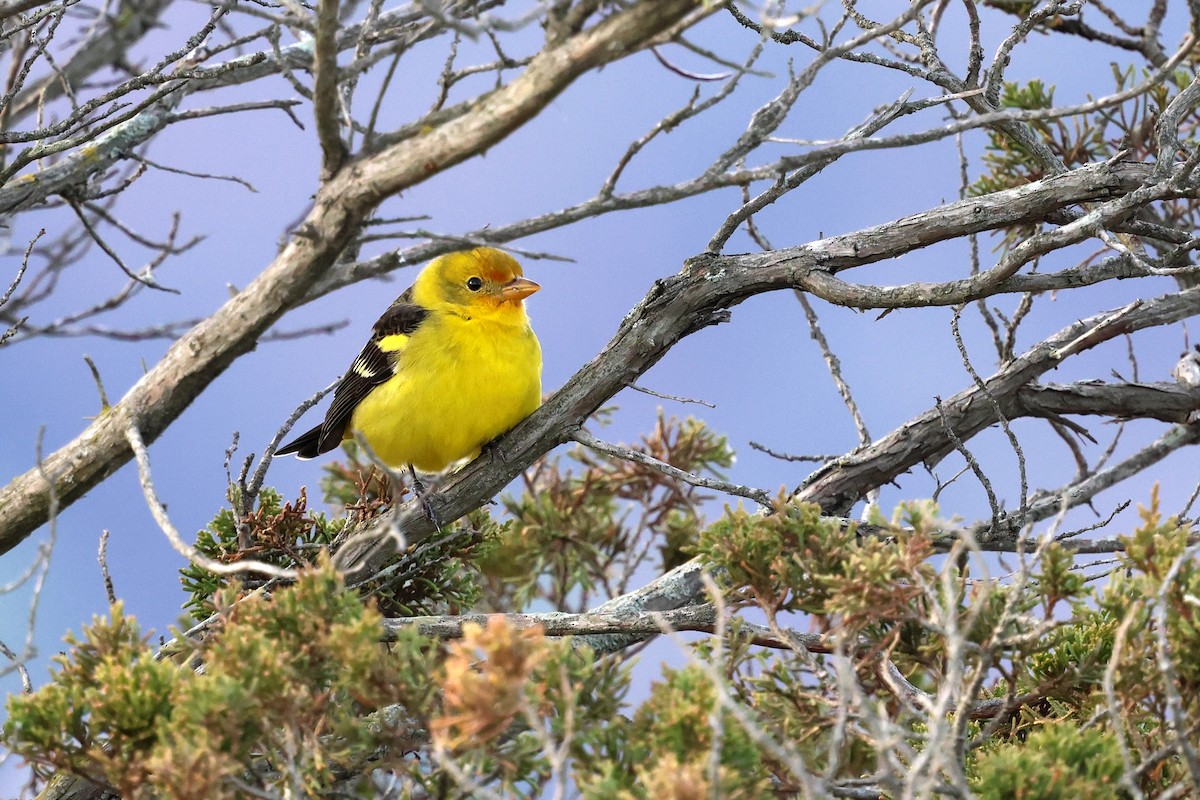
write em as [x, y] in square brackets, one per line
[423, 496]
[495, 452]
[430, 514]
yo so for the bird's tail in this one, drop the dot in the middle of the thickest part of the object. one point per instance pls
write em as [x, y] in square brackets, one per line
[305, 446]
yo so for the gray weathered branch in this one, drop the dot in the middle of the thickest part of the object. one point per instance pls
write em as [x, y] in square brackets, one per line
[341, 205]
[698, 296]
[923, 439]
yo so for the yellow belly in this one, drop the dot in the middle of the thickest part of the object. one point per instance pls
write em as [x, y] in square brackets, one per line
[458, 385]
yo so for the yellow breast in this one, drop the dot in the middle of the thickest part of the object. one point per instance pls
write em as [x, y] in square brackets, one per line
[459, 384]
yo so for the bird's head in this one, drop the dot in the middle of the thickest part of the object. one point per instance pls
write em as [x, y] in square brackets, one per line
[483, 282]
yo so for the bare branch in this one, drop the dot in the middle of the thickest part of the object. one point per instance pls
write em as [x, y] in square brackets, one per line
[341, 205]
[159, 512]
[102, 557]
[967, 412]
[588, 440]
[325, 89]
[676, 398]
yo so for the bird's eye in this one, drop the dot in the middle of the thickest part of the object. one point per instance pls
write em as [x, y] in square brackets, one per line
[474, 284]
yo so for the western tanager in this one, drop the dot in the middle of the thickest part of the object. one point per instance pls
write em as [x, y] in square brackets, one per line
[452, 364]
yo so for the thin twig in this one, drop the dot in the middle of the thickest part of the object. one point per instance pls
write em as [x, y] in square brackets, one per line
[676, 398]
[104, 404]
[19, 665]
[103, 558]
[134, 436]
[757, 495]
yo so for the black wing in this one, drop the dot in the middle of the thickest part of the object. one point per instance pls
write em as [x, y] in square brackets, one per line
[373, 366]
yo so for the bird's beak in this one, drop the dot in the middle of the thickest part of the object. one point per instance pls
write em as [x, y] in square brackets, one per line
[517, 290]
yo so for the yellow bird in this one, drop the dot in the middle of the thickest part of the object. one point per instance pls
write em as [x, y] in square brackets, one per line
[451, 365]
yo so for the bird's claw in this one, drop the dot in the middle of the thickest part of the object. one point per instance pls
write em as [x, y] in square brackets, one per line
[423, 496]
[495, 452]
[430, 514]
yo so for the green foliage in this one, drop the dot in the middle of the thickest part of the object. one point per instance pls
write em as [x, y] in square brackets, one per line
[440, 577]
[580, 531]
[1098, 135]
[1160, 580]
[283, 534]
[99, 714]
[882, 590]
[297, 674]
[301, 690]
[511, 695]
[796, 560]
[1074, 656]
[770, 561]
[675, 731]
[1059, 761]
[572, 535]
[355, 485]
[1008, 164]
[1056, 578]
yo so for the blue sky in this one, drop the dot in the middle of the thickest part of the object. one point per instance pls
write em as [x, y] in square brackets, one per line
[762, 370]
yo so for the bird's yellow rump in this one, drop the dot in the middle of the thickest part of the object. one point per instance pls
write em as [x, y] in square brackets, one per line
[451, 365]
